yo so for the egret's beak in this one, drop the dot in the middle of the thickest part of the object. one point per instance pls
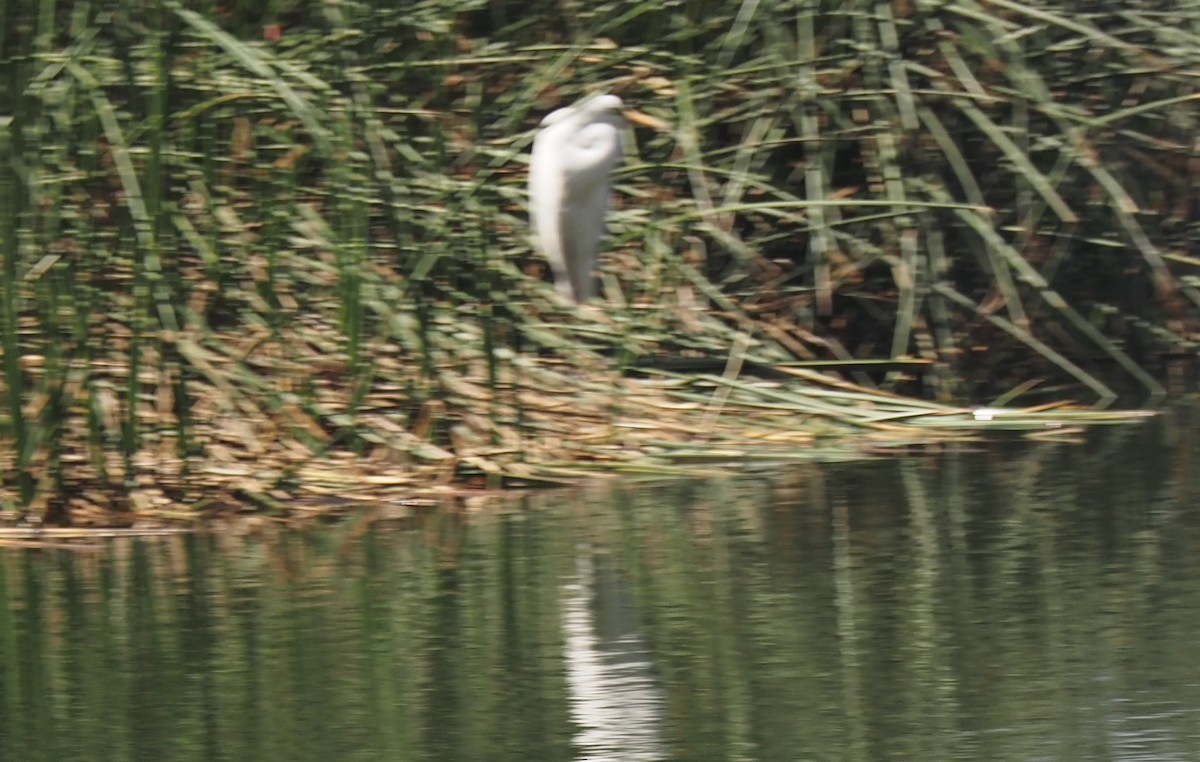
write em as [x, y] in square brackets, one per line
[645, 120]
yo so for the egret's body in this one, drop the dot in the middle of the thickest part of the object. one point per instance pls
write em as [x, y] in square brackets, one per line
[574, 155]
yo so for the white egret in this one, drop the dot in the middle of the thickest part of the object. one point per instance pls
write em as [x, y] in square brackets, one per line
[570, 171]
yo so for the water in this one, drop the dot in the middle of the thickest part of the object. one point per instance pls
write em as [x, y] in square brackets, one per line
[1025, 602]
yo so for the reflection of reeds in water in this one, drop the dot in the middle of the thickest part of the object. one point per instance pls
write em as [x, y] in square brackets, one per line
[616, 702]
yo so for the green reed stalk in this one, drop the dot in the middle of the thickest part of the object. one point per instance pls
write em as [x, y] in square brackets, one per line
[11, 195]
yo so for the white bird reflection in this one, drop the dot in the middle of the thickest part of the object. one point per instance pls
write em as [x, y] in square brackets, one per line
[616, 701]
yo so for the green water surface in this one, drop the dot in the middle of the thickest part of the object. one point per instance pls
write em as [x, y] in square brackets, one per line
[1022, 602]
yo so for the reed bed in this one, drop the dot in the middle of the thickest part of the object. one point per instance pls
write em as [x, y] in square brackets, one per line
[277, 258]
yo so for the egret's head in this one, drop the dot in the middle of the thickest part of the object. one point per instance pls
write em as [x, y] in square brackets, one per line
[605, 108]
[606, 103]
[608, 106]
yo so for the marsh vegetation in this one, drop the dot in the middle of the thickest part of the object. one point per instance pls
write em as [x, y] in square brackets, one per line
[276, 255]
